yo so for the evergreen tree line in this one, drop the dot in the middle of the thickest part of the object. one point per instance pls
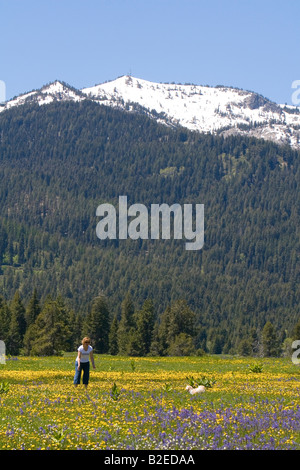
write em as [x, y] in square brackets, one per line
[51, 328]
[59, 162]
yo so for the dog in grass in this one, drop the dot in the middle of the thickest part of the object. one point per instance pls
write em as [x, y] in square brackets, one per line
[195, 391]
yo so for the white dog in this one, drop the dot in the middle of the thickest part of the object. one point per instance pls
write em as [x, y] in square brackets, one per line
[193, 391]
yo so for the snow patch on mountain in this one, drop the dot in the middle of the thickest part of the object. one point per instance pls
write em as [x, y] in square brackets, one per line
[56, 91]
[217, 110]
[221, 109]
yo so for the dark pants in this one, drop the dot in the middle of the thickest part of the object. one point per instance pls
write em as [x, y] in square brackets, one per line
[85, 367]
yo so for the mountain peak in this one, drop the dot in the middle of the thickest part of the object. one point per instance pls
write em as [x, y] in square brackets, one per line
[217, 110]
[54, 91]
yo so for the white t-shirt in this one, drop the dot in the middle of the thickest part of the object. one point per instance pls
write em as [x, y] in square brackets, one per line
[85, 354]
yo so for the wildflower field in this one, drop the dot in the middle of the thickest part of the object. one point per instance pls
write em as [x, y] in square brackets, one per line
[141, 403]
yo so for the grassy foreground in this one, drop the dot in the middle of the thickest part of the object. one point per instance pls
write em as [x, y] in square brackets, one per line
[148, 407]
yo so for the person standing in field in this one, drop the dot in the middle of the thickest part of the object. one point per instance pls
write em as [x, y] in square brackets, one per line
[82, 363]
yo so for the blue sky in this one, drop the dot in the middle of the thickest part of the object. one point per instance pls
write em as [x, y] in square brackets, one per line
[254, 45]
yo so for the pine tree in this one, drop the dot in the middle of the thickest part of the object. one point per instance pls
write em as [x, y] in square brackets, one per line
[10, 252]
[156, 348]
[66, 317]
[30, 337]
[97, 325]
[254, 340]
[3, 244]
[269, 340]
[182, 345]
[21, 249]
[296, 331]
[245, 348]
[17, 325]
[160, 341]
[49, 331]
[113, 336]
[5, 316]
[126, 325]
[182, 320]
[75, 323]
[217, 345]
[144, 323]
[33, 309]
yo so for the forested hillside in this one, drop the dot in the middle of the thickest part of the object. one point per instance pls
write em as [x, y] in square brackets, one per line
[59, 162]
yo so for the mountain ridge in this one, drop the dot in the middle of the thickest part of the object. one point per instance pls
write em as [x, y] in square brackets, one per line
[216, 110]
[59, 162]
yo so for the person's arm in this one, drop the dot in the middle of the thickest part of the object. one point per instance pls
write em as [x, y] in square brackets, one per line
[92, 359]
[78, 360]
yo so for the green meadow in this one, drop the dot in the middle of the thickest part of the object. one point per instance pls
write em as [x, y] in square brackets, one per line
[142, 403]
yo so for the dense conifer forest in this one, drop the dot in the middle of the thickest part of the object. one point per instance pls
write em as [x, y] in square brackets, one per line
[58, 162]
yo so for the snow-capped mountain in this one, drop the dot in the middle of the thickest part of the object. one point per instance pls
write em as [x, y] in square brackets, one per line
[206, 109]
[56, 91]
[221, 109]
